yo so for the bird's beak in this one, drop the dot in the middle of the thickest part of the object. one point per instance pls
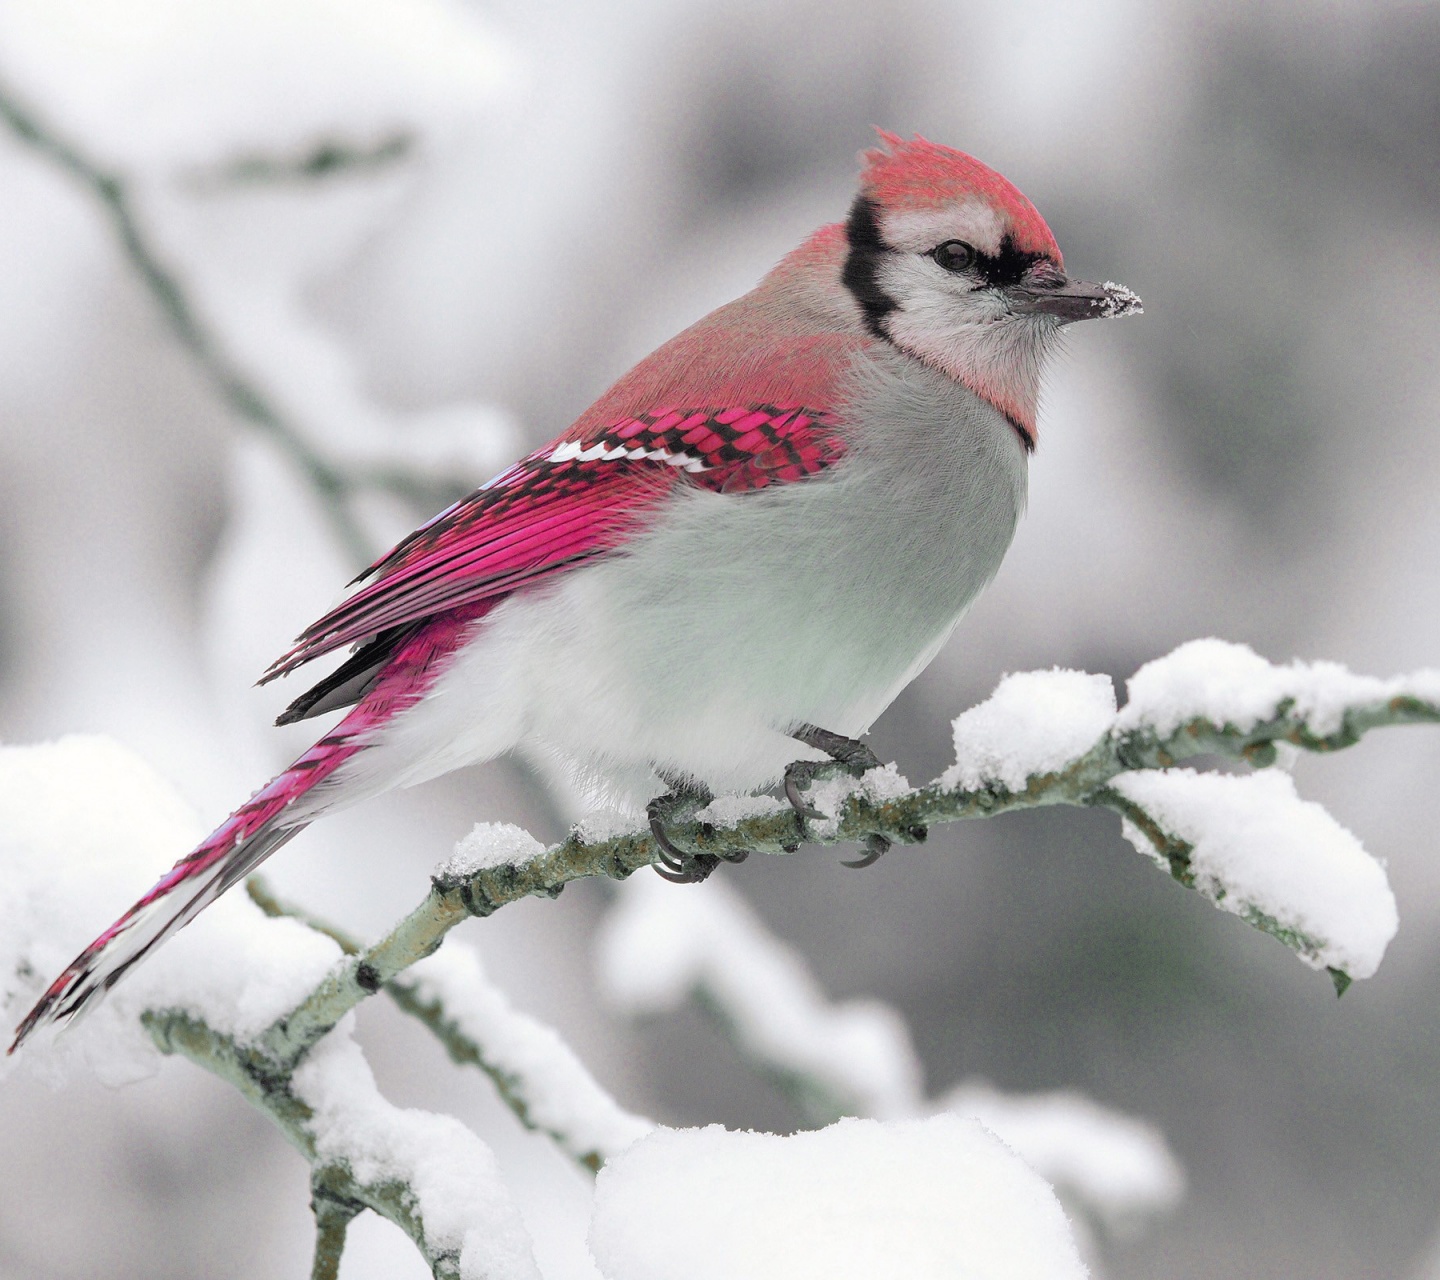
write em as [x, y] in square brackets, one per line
[1072, 300]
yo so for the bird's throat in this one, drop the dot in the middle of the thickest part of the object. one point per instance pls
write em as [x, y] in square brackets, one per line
[1000, 362]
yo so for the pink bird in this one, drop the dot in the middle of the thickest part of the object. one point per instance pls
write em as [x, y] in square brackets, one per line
[769, 525]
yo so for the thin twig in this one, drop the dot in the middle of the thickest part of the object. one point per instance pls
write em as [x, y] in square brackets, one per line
[333, 1213]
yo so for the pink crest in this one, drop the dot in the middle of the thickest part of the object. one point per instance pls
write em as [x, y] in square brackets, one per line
[921, 174]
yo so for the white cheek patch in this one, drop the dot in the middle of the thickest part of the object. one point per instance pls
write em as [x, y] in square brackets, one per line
[976, 222]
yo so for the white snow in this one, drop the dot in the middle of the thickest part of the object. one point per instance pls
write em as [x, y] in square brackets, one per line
[1231, 684]
[465, 1207]
[1423, 684]
[659, 946]
[490, 844]
[601, 824]
[560, 1095]
[1258, 847]
[829, 795]
[1036, 722]
[726, 811]
[85, 828]
[1117, 1167]
[934, 1199]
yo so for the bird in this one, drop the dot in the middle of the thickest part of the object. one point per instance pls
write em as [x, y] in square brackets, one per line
[723, 572]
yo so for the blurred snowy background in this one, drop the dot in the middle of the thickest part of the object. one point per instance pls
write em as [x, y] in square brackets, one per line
[433, 231]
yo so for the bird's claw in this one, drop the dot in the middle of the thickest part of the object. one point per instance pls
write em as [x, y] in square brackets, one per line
[682, 866]
[847, 756]
[876, 847]
[792, 792]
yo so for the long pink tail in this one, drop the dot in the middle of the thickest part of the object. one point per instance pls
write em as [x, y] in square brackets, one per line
[250, 835]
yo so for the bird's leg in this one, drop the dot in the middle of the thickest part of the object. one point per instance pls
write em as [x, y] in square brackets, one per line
[678, 865]
[847, 755]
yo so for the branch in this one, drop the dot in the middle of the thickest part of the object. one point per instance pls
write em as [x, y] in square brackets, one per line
[337, 484]
[323, 160]
[1096, 748]
[331, 484]
[338, 1189]
[428, 1174]
[333, 1212]
[536, 1074]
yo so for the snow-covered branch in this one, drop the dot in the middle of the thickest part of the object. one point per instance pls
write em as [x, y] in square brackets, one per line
[534, 1071]
[1043, 738]
[241, 393]
[245, 332]
[427, 1174]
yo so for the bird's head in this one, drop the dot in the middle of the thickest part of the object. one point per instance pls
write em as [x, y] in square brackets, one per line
[954, 266]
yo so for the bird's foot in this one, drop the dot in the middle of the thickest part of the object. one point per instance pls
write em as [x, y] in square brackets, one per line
[847, 756]
[683, 866]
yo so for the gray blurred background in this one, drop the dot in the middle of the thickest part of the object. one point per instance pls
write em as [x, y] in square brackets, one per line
[1256, 458]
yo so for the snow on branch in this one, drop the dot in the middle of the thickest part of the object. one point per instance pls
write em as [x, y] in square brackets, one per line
[241, 393]
[660, 948]
[375, 83]
[1044, 738]
[1117, 1168]
[535, 1072]
[427, 1174]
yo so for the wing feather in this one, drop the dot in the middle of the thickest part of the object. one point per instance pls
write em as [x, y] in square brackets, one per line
[578, 497]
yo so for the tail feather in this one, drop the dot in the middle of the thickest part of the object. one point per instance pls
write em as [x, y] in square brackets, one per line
[253, 832]
[249, 836]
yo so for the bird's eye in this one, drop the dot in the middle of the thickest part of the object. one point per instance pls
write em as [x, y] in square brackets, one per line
[954, 255]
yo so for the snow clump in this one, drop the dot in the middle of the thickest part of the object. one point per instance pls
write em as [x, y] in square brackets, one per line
[932, 1199]
[1258, 849]
[1231, 684]
[489, 844]
[1036, 722]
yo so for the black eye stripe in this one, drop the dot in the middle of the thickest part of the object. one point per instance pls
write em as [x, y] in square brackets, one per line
[1006, 267]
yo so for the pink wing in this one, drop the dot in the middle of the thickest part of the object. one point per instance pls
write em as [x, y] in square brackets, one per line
[580, 496]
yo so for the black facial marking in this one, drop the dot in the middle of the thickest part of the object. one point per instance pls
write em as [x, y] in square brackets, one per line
[1006, 267]
[862, 265]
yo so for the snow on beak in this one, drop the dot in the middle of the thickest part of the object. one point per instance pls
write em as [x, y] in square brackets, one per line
[1070, 300]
